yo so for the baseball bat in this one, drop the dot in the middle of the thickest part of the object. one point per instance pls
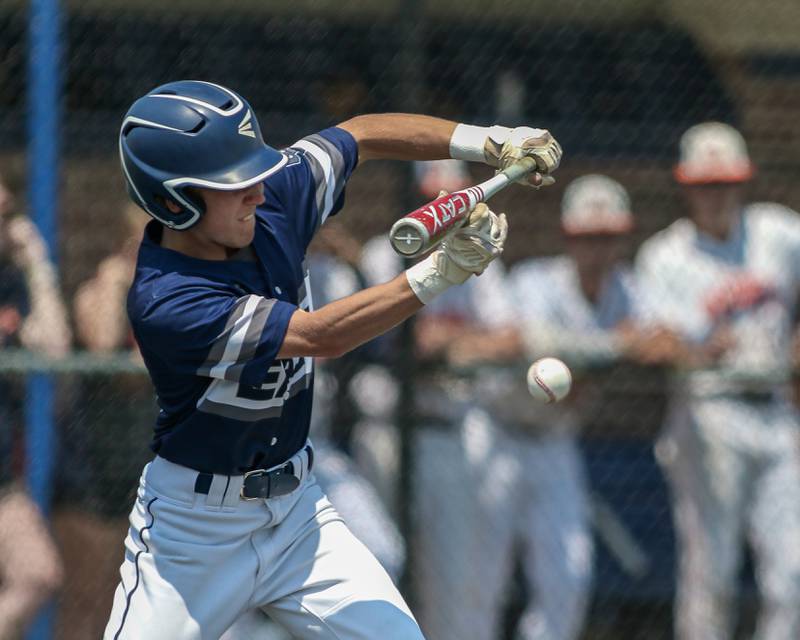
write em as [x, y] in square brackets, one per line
[418, 231]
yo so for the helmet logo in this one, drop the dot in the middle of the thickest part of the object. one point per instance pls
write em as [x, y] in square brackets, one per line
[246, 126]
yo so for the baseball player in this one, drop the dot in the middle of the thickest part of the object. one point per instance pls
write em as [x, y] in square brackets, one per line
[577, 307]
[725, 280]
[228, 516]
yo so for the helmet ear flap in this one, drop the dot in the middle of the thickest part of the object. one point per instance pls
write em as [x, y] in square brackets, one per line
[194, 196]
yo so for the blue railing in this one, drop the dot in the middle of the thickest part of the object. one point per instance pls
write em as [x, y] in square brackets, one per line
[44, 97]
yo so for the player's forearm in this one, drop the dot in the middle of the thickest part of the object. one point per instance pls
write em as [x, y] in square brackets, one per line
[18, 605]
[100, 321]
[30, 571]
[400, 136]
[45, 329]
[345, 324]
[592, 348]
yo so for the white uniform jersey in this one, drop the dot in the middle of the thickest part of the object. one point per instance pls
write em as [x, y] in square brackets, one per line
[747, 284]
[556, 319]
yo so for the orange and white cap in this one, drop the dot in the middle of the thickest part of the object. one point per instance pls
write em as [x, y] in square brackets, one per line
[596, 205]
[712, 153]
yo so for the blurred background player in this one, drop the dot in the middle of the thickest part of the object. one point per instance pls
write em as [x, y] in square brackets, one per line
[31, 316]
[578, 307]
[725, 280]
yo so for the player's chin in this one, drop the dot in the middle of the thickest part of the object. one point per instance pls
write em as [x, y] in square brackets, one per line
[244, 234]
[247, 229]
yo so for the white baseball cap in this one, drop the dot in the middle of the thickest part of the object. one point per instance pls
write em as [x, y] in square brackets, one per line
[434, 175]
[713, 152]
[596, 205]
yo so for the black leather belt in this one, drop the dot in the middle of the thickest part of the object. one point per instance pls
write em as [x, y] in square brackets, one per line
[757, 397]
[260, 484]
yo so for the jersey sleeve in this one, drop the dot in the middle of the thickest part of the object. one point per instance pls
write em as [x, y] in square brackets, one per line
[312, 185]
[216, 335]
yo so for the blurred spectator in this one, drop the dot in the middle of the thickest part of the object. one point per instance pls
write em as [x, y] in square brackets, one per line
[725, 280]
[31, 316]
[106, 442]
[101, 323]
[30, 571]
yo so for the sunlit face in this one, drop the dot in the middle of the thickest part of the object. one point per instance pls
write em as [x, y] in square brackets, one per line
[714, 207]
[596, 254]
[228, 223]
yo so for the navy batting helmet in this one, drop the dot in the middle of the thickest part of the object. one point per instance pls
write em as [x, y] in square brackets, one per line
[191, 134]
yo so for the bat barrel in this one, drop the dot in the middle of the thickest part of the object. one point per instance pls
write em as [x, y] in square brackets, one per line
[409, 237]
[415, 233]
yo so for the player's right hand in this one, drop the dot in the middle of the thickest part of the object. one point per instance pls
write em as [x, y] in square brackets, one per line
[473, 246]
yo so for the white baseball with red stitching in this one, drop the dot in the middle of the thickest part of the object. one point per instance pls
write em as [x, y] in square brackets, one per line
[549, 380]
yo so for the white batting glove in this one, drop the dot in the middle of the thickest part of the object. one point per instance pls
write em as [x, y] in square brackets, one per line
[465, 252]
[538, 144]
[501, 147]
[473, 246]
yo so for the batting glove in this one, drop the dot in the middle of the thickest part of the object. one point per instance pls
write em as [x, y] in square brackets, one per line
[501, 147]
[473, 246]
[523, 142]
[465, 252]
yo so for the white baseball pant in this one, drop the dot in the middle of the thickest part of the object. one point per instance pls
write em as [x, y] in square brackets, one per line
[482, 493]
[195, 563]
[734, 471]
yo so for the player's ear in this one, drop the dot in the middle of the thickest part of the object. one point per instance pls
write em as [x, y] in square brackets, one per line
[173, 206]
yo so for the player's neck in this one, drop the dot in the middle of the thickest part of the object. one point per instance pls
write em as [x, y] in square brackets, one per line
[591, 285]
[719, 229]
[193, 245]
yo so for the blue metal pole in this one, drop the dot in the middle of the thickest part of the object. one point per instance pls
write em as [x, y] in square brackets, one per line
[44, 89]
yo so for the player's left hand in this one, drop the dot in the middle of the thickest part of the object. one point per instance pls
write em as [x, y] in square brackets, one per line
[522, 142]
[482, 239]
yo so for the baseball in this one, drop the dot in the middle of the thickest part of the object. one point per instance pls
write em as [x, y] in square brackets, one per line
[549, 380]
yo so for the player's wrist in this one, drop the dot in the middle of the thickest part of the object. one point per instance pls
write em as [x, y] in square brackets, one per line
[434, 275]
[470, 142]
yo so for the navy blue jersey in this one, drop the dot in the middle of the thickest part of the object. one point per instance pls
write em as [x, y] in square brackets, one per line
[209, 330]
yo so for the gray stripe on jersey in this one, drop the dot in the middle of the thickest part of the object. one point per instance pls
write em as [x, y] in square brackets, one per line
[252, 338]
[218, 348]
[329, 187]
[254, 326]
[239, 413]
[251, 414]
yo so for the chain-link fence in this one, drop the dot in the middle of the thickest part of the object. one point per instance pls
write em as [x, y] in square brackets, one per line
[661, 494]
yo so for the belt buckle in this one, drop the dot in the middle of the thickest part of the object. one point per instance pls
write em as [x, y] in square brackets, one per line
[280, 482]
[250, 474]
